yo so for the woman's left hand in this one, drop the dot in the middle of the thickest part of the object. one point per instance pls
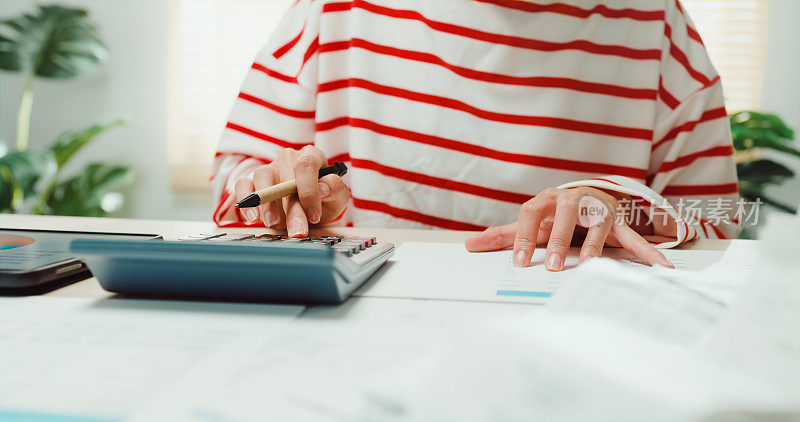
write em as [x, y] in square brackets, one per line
[551, 218]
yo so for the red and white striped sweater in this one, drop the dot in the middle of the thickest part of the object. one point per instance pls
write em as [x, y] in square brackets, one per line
[452, 113]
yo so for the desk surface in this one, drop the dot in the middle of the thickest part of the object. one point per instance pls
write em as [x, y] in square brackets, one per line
[173, 229]
[363, 337]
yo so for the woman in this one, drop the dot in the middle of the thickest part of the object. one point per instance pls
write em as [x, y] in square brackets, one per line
[467, 114]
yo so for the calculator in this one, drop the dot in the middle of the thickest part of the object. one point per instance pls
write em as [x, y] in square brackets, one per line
[232, 266]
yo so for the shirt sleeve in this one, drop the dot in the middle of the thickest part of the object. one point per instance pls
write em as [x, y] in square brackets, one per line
[692, 171]
[274, 109]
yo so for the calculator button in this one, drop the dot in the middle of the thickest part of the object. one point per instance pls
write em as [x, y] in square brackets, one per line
[347, 250]
[335, 239]
[295, 240]
[367, 241]
[231, 237]
[202, 236]
[329, 242]
[358, 246]
[369, 255]
[270, 237]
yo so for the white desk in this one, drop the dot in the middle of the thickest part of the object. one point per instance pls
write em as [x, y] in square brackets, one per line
[173, 229]
[311, 357]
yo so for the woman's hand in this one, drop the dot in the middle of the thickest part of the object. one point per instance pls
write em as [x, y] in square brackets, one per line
[317, 200]
[551, 218]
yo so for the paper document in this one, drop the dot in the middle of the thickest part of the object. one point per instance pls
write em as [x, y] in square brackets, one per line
[316, 369]
[617, 343]
[560, 368]
[760, 334]
[656, 306]
[448, 271]
[108, 358]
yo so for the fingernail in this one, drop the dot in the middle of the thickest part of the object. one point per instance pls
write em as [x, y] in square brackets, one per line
[324, 190]
[665, 262]
[250, 215]
[519, 259]
[554, 262]
[270, 218]
[296, 229]
[314, 215]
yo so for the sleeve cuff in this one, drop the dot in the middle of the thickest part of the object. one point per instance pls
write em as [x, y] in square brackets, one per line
[649, 197]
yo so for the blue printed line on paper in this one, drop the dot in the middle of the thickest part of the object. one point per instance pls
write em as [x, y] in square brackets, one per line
[22, 416]
[523, 293]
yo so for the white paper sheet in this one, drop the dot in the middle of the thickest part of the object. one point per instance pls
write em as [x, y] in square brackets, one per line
[615, 344]
[558, 368]
[760, 334]
[108, 358]
[624, 343]
[653, 305]
[317, 368]
[448, 271]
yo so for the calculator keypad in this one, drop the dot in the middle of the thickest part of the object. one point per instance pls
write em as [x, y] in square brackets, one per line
[346, 246]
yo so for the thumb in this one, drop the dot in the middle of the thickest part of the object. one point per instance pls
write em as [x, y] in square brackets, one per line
[493, 238]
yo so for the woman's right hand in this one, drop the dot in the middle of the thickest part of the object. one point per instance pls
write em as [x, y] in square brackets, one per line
[317, 201]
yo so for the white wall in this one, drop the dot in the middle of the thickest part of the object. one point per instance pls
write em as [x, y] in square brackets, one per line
[133, 83]
[782, 82]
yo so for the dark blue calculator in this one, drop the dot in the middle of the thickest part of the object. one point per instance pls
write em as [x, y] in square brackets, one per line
[267, 267]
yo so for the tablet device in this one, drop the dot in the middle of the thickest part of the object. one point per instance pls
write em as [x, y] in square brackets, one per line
[30, 258]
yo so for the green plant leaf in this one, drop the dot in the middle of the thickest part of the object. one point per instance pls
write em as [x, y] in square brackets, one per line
[745, 138]
[56, 42]
[70, 143]
[762, 121]
[754, 176]
[19, 173]
[83, 194]
[28, 167]
[10, 58]
[10, 193]
[753, 194]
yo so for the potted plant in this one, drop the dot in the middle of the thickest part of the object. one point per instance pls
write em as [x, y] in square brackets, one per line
[58, 43]
[753, 133]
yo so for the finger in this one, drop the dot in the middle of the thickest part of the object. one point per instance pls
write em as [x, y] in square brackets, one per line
[545, 227]
[271, 213]
[611, 240]
[306, 171]
[638, 246]
[332, 189]
[242, 188]
[566, 217]
[595, 239]
[296, 221]
[492, 239]
[530, 218]
[655, 238]
[335, 196]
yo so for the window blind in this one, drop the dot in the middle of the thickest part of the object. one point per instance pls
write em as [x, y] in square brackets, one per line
[735, 35]
[213, 43]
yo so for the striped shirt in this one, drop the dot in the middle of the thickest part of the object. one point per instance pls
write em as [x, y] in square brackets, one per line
[452, 113]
